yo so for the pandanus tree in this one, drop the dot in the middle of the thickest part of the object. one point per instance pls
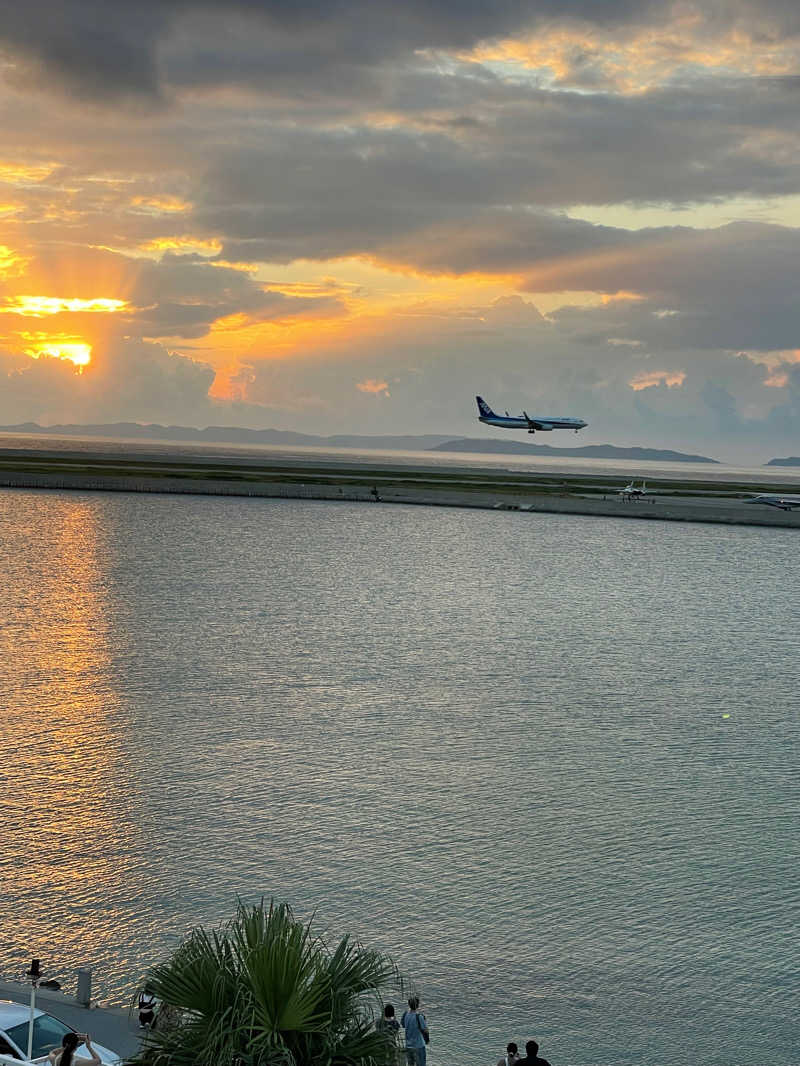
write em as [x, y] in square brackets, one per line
[265, 990]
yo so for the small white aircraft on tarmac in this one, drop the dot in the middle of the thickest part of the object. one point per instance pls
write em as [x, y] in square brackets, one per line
[786, 503]
[526, 421]
[634, 491]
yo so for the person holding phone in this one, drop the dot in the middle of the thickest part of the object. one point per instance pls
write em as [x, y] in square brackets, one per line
[65, 1055]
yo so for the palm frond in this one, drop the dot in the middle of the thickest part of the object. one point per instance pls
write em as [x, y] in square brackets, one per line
[264, 990]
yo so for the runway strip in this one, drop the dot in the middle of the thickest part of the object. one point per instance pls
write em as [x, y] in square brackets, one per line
[546, 493]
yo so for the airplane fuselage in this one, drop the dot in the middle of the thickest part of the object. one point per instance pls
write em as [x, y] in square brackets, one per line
[785, 503]
[533, 422]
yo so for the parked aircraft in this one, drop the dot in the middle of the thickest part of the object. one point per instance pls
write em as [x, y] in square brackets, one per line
[525, 421]
[786, 503]
[634, 491]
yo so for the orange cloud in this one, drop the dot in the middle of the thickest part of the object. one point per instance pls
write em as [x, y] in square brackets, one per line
[157, 205]
[183, 244]
[11, 264]
[377, 388]
[25, 174]
[620, 297]
[646, 379]
[633, 62]
[777, 379]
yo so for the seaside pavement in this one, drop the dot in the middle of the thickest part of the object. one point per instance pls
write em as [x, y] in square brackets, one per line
[113, 1027]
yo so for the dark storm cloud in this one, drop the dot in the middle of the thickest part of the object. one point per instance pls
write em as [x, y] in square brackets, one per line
[316, 193]
[437, 198]
[110, 48]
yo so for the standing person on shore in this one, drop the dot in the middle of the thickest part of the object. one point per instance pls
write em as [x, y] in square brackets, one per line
[511, 1056]
[147, 1008]
[390, 1027]
[417, 1036]
[532, 1056]
[65, 1055]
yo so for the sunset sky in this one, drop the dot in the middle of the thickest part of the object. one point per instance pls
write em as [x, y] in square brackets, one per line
[351, 217]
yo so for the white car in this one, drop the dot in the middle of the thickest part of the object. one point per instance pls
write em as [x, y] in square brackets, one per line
[47, 1034]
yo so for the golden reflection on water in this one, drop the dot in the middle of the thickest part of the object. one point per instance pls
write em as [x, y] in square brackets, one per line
[67, 839]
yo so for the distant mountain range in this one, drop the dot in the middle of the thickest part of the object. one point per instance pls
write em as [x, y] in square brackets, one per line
[229, 435]
[790, 460]
[425, 442]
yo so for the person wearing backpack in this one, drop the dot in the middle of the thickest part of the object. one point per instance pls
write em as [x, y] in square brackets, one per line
[417, 1035]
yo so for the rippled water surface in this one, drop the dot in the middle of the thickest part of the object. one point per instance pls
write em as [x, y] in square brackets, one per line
[547, 762]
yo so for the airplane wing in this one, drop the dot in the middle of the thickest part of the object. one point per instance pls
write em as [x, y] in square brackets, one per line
[534, 423]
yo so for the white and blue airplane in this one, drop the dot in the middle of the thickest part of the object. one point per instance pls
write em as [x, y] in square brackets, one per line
[633, 491]
[525, 421]
[786, 503]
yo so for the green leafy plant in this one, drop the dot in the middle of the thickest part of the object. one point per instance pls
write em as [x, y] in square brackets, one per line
[264, 989]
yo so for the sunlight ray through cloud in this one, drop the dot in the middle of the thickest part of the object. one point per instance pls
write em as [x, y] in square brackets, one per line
[75, 352]
[42, 306]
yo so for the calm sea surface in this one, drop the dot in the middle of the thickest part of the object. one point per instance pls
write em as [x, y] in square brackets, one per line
[547, 762]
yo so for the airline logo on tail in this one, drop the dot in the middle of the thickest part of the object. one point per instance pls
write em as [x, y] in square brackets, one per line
[484, 407]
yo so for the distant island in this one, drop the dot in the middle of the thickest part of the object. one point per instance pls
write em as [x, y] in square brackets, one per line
[590, 451]
[790, 460]
[436, 442]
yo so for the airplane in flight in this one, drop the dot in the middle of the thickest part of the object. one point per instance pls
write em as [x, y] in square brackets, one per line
[786, 503]
[525, 421]
[634, 491]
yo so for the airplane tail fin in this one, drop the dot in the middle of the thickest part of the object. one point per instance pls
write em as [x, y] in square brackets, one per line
[484, 408]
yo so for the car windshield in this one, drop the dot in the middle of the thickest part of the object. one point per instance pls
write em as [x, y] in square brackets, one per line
[47, 1034]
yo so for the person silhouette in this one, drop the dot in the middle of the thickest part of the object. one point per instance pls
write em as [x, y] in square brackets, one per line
[532, 1056]
[147, 1008]
[390, 1027]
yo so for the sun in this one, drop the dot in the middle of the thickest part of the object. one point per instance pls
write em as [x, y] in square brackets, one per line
[75, 351]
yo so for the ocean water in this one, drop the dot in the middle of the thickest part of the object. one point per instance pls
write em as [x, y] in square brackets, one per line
[548, 763]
